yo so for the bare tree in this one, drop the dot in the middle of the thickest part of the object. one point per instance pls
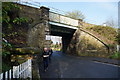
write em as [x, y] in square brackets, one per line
[76, 14]
[111, 22]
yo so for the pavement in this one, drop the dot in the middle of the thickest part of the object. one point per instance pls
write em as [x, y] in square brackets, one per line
[66, 66]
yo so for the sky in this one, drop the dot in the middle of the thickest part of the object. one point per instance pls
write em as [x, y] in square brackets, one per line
[55, 39]
[95, 12]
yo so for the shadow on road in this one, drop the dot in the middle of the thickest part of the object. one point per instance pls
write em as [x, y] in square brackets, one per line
[64, 66]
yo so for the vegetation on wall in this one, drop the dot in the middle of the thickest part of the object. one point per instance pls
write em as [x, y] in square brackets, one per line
[13, 31]
[6, 47]
[87, 46]
[108, 34]
[12, 24]
[10, 13]
[116, 55]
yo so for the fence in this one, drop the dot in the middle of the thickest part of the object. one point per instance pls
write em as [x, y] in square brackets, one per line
[118, 48]
[24, 71]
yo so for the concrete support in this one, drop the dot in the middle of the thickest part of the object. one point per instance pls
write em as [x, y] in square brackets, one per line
[45, 20]
[36, 34]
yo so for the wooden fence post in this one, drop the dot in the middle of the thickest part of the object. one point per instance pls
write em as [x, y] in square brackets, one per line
[14, 71]
[118, 48]
[1, 76]
[6, 75]
[10, 76]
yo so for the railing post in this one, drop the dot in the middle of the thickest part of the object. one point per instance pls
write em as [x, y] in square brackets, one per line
[118, 48]
[15, 71]
[27, 67]
[10, 76]
[23, 71]
[6, 75]
[20, 71]
[30, 68]
[1, 76]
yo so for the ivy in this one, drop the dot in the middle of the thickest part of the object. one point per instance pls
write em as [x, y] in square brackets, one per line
[116, 55]
[6, 17]
[20, 20]
[11, 20]
[6, 47]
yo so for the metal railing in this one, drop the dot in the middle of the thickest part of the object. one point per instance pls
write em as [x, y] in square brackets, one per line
[29, 3]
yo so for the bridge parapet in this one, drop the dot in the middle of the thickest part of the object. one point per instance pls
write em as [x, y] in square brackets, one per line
[54, 17]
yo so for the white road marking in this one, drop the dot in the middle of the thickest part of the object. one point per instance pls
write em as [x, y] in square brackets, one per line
[107, 64]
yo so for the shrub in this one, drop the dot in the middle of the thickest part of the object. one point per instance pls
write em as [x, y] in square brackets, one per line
[116, 55]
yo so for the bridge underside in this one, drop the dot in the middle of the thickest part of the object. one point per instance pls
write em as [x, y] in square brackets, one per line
[65, 32]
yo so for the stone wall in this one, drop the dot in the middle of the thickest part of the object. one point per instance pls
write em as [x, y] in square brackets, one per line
[30, 13]
[86, 44]
[37, 23]
[83, 44]
[36, 36]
